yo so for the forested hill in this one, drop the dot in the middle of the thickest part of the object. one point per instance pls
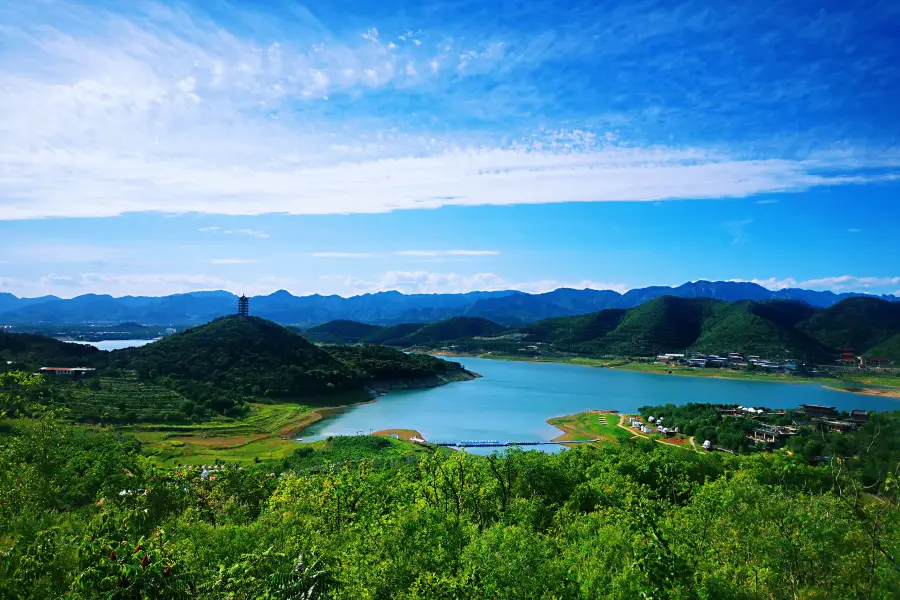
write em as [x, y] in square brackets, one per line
[858, 323]
[34, 351]
[405, 334]
[773, 328]
[341, 331]
[236, 358]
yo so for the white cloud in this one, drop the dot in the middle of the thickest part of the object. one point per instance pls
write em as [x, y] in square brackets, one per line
[854, 230]
[108, 119]
[767, 201]
[843, 283]
[232, 261]
[250, 232]
[446, 252]
[68, 285]
[426, 282]
[342, 255]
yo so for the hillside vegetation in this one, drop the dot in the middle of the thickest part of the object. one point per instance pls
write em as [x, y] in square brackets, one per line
[216, 369]
[857, 323]
[341, 332]
[772, 328]
[31, 352]
[84, 515]
[453, 329]
[233, 357]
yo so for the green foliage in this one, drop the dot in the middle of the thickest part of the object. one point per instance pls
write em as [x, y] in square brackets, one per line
[220, 365]
[31, 352]
[341, 332]
[395, 335]
[453, 329]
[670, 324]
[405, 334]
[377, 518]
[857, 323]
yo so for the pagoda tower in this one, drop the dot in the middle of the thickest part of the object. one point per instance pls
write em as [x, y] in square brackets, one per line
[243, 306]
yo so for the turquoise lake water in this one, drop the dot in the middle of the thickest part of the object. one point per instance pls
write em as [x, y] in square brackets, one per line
[513, 400]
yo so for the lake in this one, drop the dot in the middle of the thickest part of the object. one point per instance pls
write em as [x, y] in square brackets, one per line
[513, 400]
[113, 344]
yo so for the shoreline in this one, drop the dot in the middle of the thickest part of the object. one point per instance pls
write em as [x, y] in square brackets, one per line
[826, 382]
[879, 392]
[325, 412]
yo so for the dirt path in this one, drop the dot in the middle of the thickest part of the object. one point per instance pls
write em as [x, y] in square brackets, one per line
[658, 441]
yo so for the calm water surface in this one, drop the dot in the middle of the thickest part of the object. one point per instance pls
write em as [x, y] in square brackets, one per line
[513, 400]
[114, 344]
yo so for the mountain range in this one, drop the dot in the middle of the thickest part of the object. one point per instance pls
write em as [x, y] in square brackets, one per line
[509, 307]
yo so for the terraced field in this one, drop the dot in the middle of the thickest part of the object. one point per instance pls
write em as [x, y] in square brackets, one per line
[121, 400]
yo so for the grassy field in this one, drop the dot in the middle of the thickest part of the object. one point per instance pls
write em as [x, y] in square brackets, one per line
[589, 425]
[266, 433]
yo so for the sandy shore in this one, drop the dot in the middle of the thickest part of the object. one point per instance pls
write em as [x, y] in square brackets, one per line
[868, 392]
[403, 434]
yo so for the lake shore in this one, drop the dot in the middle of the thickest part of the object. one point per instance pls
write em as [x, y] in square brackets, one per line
[881, 393]
[831, 383]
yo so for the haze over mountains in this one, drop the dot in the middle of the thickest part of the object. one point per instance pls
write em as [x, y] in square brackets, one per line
[511, 308]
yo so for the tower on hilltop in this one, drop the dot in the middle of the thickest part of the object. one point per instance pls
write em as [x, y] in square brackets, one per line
[243, 306]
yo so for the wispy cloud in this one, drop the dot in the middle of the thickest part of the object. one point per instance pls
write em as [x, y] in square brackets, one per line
[428, 282]
[73, 284]
[854, 230]
[737, 229]
[767, 201]
[842, 283]
[232, 261]
[446, 253]
[106, 113]
[343, 255]
[249, 232]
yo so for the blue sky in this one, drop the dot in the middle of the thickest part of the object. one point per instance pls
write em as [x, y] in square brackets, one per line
[151, 148]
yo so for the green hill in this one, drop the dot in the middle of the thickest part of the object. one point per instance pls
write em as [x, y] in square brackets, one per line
[662, 325]
[575, 330]
[454, 329]
[857, 323]
[752, 328]
[889, 348]
[231, 359]
[341, 332]
[672, 324]
[395, 335]
[35, 351]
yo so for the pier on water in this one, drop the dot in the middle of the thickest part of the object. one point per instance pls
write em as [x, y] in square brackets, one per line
[496, 444]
